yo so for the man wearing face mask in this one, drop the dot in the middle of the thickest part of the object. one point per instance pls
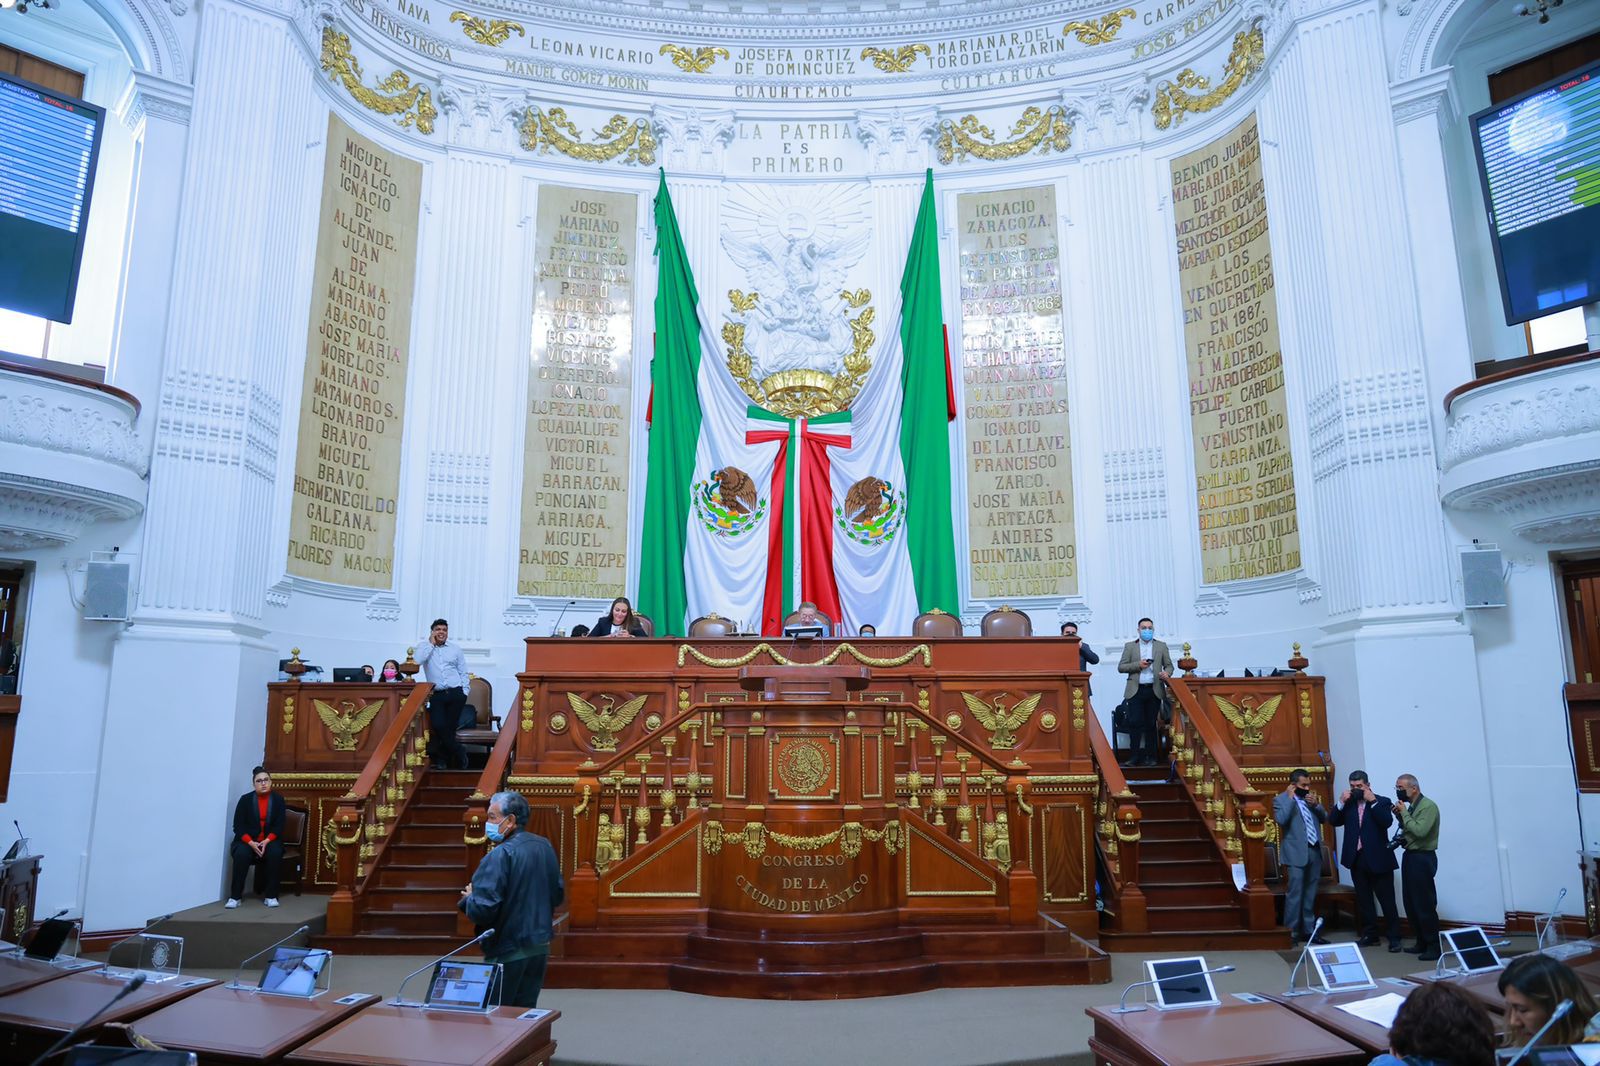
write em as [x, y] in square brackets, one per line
[1148, 665]
[514, 890]
[1419, 835]
[1299, 814]
[1366, 817]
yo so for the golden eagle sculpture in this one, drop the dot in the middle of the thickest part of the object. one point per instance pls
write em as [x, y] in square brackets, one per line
[997, 718]
[737, 489]
[345, 722]
[603, 724]
[865, 499]
[1246, 719]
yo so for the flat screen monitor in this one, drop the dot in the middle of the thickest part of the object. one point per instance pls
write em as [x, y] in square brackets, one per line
[48, 938]
[804, 632]
[461, 985]
[1181, 983]
[350, 673]
[293, 971]
[48, 146]
[1341, 968]
[1477, 955]
[1539, 161]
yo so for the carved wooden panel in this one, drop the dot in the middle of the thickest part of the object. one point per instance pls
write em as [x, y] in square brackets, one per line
[1065, 845]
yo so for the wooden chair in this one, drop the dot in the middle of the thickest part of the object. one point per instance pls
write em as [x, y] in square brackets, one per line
[713, 625]
[936, 623]
[485, 729]
[648, 626]
[1006, 621]
[293, 870]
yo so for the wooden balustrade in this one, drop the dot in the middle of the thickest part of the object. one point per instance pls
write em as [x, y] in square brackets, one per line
[374, 804]
[1235, 812]
[1117, 818]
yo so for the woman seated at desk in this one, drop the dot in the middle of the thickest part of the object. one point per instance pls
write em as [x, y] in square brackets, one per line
[620, 622]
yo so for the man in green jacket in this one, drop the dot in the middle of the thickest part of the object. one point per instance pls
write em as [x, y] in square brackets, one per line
[1419, 833]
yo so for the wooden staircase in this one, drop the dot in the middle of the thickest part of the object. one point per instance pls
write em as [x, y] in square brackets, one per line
[1190, 900]
[410, 906]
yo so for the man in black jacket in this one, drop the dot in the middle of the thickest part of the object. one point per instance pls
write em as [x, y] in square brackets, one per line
[257, 839]
[1366, 817]
[514, 890]
[1087, 656]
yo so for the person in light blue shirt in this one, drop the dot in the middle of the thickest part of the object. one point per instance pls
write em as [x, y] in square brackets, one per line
[445, 667]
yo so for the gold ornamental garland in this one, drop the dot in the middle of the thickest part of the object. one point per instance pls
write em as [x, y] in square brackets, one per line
[699, 61]
[1176, 98]
[413, 103]
[686, 650]
[899, 60]
[630, 139]
[1099, 31]
[1044, 130]
[490, 32]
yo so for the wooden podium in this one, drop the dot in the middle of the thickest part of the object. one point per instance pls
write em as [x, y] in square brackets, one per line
[397, 1036]
[19, 883]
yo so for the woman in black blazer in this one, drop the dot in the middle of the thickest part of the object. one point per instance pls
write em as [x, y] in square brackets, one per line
[257, 838]
[619, 623]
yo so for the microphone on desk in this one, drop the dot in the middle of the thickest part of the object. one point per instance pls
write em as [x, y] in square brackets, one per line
[235, 982]
[555, 630]
[133, 983]
[133, 936]
[398, 1002]
[1122, 1004]
[1555, 1016]
[1306, 991]
[1544, 928]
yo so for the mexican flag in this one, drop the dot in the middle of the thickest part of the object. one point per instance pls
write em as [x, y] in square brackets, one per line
[749, 512]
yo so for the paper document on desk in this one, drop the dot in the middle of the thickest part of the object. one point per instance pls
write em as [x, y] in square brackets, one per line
[1379, 1010]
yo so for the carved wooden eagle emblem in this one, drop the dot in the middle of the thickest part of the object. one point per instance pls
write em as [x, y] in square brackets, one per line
[603, 724]
[345, 722]
[1246, 719]
[1000, 720]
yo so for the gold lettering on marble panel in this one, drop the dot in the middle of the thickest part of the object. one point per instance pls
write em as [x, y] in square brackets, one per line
[352, 404]
[580, 373]
[1019, 445]
[1249, 524]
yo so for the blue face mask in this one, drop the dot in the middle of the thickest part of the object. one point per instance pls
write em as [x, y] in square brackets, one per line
[494, 832]
[1147, 634]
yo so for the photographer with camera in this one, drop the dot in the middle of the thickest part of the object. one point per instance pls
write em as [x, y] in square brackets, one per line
[1419, 836]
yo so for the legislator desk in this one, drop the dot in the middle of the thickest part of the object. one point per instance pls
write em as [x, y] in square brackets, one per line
[233, 1025]
[1324, 1010]
[397, 1036]
[1485, 987]
[19, 972]
[1245, 1034]
[32, 1019]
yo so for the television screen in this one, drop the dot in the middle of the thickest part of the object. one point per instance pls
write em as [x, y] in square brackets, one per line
[48, 145]
[1539, 157]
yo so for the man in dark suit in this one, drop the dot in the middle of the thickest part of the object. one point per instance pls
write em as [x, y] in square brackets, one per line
[257, 839]
[1366, 818]
[1087, 656]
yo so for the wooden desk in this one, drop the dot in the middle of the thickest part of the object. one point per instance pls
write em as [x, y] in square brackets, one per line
[397, 1036]
[33, 1018]
[1234, 1034]
[231, 1025]
[1482, 987]
[1324, 1010]
[19, 973]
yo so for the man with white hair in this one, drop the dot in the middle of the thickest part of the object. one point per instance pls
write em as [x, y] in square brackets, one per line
[514, 890]
[1419, 835]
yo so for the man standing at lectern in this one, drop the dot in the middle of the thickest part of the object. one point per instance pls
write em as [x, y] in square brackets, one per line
[513, 891]
[1148, 665]
[446, 669]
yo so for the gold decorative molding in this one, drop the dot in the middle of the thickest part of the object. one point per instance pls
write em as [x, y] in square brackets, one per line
[1305, 708]
[898, 61]
[413, 104]
[1045, 131]
[698, 61]
[803, 392]
[1102, 30]
[320, 775]
[1176, 98]
[490, 32]
[629, 139]
[686, 651]
[1247, 719]
[1001, 722]
[288, 714]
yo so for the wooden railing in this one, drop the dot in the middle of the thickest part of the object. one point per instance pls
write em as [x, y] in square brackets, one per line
[1117, 816]
[374, 804]
[1234, 811]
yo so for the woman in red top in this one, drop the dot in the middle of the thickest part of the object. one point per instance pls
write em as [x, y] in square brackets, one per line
[257, 829]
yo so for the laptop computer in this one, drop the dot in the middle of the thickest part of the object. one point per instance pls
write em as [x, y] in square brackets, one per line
[462, 985]
[48, 938]
[293, 971]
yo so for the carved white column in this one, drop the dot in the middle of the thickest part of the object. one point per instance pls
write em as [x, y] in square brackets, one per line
[692, 139]
[898, 140]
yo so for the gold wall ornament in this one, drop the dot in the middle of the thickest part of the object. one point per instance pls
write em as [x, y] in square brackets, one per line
[1305, 709]
[603, 724]
[687, 651]
[1044, 130]
[652, 722]
[994, 716]
[698, 61]
[1248, 719]
[412, 103]
[1047, 722]
[558, 723]
[345, 722]
[1079, 709]
[804, 766]
[743, 301]
[491, 32]
[898, 61]
[1176, 98]
[629, 139]
[1102, 30]
[803, 391]
[288, 714]
[527, 710]
[954, 722]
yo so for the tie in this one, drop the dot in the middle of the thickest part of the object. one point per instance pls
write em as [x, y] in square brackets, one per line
[1361, 815]
[1311, 824]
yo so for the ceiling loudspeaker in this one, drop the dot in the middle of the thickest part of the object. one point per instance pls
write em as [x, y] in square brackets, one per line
[105, 592]
[1483, 581]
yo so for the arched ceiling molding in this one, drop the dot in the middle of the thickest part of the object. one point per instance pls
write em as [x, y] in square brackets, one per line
[149, 33]
[1435, 30]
